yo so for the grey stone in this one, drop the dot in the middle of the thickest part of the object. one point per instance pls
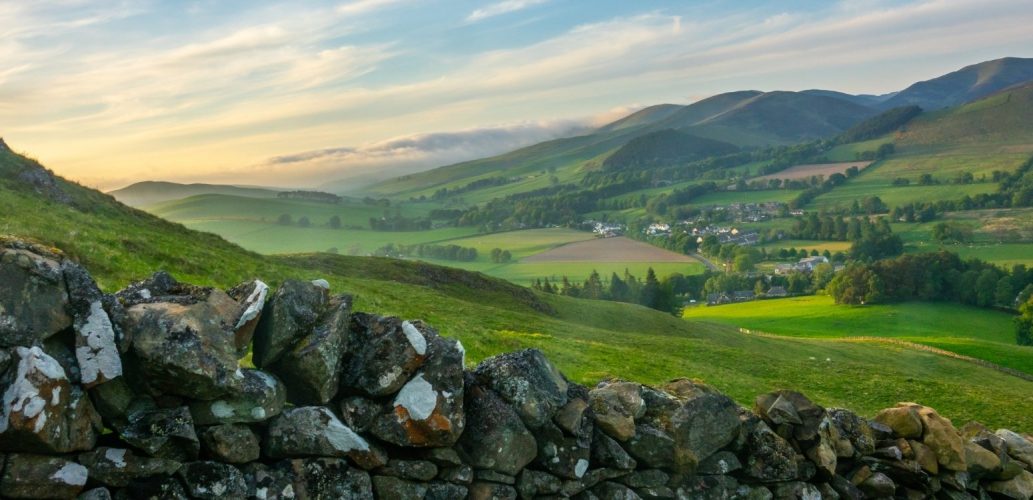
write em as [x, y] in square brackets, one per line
[1018, 487]
[878, 485]
[163, 433]
[96, 351]
[769, 458]
[445, 491]
[607, 452]
[118, 467]
[33, 295]
[288, 316]
[495, 437]
[231, 443]
[533, 484]
[311, 367]
[251, 295]
[646, 478]
[652, 447]
[40, 476]
[608, 490]
[213, 481]
[329, 479]
[563, 455]
[491, 491]
[359, 412]
[313, 431]
[462, 474]
[722, 462]
[261, 396]
[415, 470]
[1018, 447]
[528, 381]
[383, 356]
[616, 405]
[393, 487]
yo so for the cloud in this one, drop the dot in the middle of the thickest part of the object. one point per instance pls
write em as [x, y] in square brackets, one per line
[359, 7]
[499, 8]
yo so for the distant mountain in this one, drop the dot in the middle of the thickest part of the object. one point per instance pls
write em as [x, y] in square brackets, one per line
[964, 85]
[1003, 119]
[645, 116]
[147, 193]
[862, 99]
[665, 148]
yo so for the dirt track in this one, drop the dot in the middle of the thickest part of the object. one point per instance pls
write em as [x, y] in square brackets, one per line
[608, 250]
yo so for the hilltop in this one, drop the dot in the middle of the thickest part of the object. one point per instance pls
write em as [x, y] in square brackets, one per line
[964, 85]
[587, 339]
[142, 194]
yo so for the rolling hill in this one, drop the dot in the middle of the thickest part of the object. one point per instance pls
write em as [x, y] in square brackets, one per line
[964, 85]
[147, 193]
[587, 340]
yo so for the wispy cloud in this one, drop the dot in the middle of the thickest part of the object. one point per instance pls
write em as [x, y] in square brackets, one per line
[499, 8]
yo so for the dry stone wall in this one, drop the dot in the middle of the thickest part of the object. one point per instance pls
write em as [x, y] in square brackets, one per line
[148, 393]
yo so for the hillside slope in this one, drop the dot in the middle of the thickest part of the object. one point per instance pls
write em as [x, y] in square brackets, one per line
[964, 85]
[588, 340]
[142, 194]
[1002, 118]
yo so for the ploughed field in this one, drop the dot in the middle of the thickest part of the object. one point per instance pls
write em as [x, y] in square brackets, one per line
[814, 169]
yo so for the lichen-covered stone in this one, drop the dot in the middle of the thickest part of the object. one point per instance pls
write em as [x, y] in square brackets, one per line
[329, 479]
[251, 295]
[393, 487]
[414, 470]
[313, 431]
[528, 381]
[616, 405]
[652, 447]
[311, 367]
[495, 437]
[483, 490]
[794, 409]
[261, 396]
[428, 410]
[607, 452]
[534, 484]
[183, 343]
[702, 421]
[40, 410]
[722, 462]
[41, 476]
[95, 338]
[231, 443]
[855, 434]
[561, 454]
[359, 412]
[287, 316]
[383, 356]
[445, 491]
[33, 295]
[213, 481]
[768, 457]
[118, 467]
[153, 488]
[163, 433]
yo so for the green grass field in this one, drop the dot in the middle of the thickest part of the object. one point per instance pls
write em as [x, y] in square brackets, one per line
[970, 331]
[586, 339]
[820, 246]
[729, 197]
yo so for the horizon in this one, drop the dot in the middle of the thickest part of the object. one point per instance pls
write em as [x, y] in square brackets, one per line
[271, 94]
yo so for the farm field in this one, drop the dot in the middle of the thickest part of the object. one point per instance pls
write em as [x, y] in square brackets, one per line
[862, 187]
[823, 170]
[619, 249]
[970, 331]
[849, 152]
[729, 197]
[820, 246]
[944, 165]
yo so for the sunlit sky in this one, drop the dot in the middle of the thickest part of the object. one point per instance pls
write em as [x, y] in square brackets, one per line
[301, 93]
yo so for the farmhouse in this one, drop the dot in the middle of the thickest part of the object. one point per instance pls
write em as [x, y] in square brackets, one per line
[805, 265]
[777, 291]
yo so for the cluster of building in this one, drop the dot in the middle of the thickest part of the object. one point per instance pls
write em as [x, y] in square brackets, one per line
[606, 229]
[756, 212]
[726, 235]
[744, 296]
[805, 265]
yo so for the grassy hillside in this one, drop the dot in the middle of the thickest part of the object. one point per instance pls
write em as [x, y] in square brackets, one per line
[586, 339]
[147, 193]
[966, 84]
[980, 333]
[1000, 119]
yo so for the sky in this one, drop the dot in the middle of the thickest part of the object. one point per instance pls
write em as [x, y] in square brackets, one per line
[301, 93]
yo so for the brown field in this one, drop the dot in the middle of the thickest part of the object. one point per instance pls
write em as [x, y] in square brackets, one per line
[806, 171]
[608, 250]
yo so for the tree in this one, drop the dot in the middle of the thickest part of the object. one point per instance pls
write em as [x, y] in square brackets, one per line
[304, 222]
[651, 289]
[496, 255]
[505, 256]
[1004, 294]
[743, 263]
[593, 286]
[335, 222]
[284, 220]
[1024, 324]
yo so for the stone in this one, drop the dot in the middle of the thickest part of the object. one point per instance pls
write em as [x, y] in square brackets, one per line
[647, 478]
[563, 455]
[720, 463]
[792, 408]
[428, 410]
[442, 456]
[384, 355]
[359, 412]
[702, 422]
[40, 410]
[856, 437]
[462, 474]
[288, 316]
[183, 342]
[796, 490]
[313, 431]
[981, 462]
[1019, 447]
[329, 479]
[112, 401]
[572, 487]
[616, 405]
[118, 467]
[768, 457]
[154, 488]
[902, 419]
[101, 493]
[445, 491]
[33, 295]
[495, 437]
[492, 476]
[878, 485]
[231, 443]
[259, 397]
[212, 480]
[528, 381]
[533, 484]
[944, 440]
[652, 447]
[1019, 487]
[845, 489]
[925, 457]
[823, 454]
[271, 482]
[608, 490]
[573, 417]
[40, 476]
[415, 470]
[491, 491]
[311, 367]
[395, 488]
[96, 351]
[164, 433]
[251, 295]
[607, 452]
